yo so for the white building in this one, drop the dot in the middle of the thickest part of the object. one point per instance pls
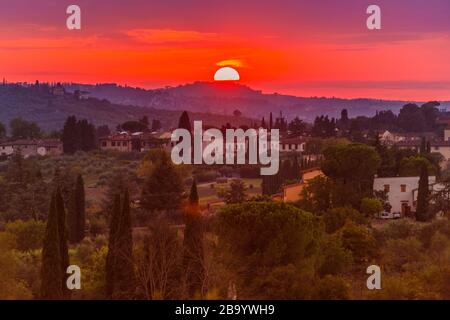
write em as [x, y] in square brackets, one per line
[401, 192]
[292, 145]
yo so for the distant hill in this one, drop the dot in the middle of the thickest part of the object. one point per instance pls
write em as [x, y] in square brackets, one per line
[224, 98]
[40, 104]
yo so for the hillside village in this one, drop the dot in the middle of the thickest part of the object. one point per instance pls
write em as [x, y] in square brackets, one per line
[366, 187]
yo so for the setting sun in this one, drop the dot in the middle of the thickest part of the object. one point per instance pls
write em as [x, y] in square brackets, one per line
[226, 74]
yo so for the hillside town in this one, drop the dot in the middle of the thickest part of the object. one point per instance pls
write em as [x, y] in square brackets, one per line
[359, 189]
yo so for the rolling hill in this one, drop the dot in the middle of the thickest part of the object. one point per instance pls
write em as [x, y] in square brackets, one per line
[224, 98]
[39, 104]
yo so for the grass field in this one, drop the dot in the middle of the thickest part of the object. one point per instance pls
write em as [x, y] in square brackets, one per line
[208, 192]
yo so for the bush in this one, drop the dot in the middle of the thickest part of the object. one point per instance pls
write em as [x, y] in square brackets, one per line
[336, 218]
[28, 234]
[370, 207]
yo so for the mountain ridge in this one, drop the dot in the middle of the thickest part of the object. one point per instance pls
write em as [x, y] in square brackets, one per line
[224, 98]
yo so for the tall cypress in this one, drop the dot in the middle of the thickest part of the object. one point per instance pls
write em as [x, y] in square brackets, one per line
[193, 257]
[111, 256]
[70, 135]
[271, 122]
[119, 261]
[63, 235]
[51, 272]
[124, 249]
[77, 219]
[184, 122]
[422, 195]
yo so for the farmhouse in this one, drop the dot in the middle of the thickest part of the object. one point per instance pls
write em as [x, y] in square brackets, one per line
[139, 141]
[292, 192]
[401, 192]
[32, 147]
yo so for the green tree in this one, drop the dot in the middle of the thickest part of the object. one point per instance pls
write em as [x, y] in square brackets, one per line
[351, 167]
[51, 272]
[255, 238]
[359, 240]
[370, 207]
[22, 129]
[162, 190]
[2, 131]
[70, 136]
[336, 218]
[119, 261]
[193, 245]
[333, 288]
[63, 237]
[77, 218]
[185, 122]
[423, 195]
[27, 234]
[236, 193]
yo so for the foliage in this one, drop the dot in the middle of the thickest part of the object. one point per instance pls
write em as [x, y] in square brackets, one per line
[370, 207]
[162, 190]
[336, 218]
[28, 235]
[256, 237]
[235, 193]
[22, 129]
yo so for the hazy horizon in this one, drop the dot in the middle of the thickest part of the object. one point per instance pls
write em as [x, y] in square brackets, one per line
[290, 47]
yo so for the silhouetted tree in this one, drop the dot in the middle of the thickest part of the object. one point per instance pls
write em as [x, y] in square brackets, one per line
[422, 195]
[193, 245]
[185, 122]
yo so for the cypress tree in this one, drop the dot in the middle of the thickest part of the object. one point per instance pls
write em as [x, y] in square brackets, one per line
[51, 272]
[184, 122]
[193, 255]
[295, 171]
[422, 195]
[111, 256]
[119, 263]
[271, 121]
[124, 282]
[77, 220]
[63, 235]
[70, 135]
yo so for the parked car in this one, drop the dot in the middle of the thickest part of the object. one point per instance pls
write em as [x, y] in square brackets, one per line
[386, 215]
[397, 215]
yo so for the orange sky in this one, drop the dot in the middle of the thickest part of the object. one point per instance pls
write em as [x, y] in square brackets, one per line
[318, 51]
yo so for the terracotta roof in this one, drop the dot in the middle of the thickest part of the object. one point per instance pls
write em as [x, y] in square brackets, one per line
[21, 142]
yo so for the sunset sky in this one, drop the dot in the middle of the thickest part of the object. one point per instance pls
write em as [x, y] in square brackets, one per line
[306, 48]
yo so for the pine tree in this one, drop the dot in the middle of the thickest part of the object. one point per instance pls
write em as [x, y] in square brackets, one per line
[51, 272]
[77, 218]
[193, 245]
[422, 195]
[184, 122]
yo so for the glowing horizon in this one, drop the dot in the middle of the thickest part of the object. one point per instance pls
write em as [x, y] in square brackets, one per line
[294, 47]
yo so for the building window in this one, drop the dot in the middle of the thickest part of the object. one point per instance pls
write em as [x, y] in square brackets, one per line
[104, 143]
[403, 188]
[387, 188]
[125, 143]
[113, 143]
[293, 147]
